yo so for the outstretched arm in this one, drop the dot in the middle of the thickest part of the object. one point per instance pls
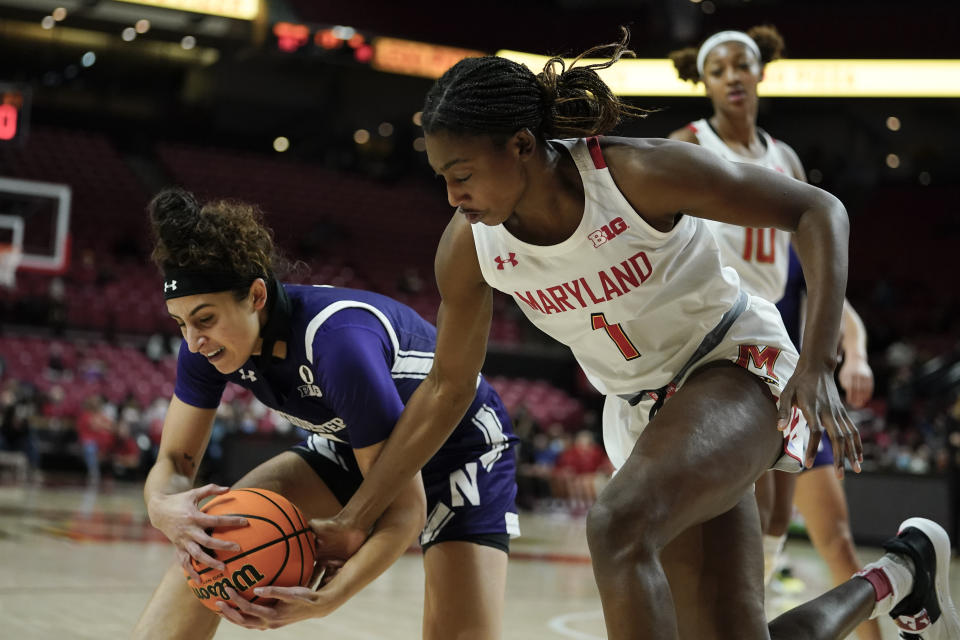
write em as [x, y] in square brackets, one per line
[169, 493]
[438, 404]
[391, 536]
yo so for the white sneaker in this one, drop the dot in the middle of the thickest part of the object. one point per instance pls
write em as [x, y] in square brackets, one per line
[927, 612]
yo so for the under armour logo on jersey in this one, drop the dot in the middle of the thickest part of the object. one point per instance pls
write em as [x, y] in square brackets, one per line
[170, 286]
[511, 260]
[607, 232]
[249, 376]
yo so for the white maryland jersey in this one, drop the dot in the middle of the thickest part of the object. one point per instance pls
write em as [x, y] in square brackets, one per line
[760, 256]
[631, 302]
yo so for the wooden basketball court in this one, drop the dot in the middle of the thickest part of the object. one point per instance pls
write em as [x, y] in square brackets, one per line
[80, 562]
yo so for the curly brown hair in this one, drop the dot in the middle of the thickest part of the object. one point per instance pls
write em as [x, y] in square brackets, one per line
[498, 97]
[768, 40]
[222, 235]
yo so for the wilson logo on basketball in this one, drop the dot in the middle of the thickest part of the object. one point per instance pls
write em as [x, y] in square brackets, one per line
[241, 580]
[276, 547]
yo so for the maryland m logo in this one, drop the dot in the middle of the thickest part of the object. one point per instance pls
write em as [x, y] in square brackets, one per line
[761, 358]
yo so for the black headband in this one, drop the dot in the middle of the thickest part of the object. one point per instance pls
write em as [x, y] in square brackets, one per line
[178, 283]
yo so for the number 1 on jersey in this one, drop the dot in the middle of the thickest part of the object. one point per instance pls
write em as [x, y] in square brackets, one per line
[599, 321]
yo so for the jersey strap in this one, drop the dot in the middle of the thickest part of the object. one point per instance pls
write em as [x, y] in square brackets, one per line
[593, 144]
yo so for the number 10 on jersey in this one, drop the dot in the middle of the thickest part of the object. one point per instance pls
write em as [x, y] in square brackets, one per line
[615, 331]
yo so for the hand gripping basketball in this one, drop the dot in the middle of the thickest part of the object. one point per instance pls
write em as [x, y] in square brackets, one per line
[274, 548]
[185, 525]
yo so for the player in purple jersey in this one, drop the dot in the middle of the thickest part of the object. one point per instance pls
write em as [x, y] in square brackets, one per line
[340, 363]
[674, 536]
[731, 65]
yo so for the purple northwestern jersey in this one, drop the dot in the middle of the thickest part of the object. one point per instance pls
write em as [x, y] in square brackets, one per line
[353, 360]
[791, 304]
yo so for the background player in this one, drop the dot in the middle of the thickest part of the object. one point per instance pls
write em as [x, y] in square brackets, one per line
[609, 257]
[731, 65]
[340, 363]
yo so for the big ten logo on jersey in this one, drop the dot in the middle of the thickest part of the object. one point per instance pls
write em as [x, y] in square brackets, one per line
[308, 389]
[607, 232]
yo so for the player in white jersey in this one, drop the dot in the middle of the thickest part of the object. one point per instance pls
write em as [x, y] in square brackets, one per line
[731, 66]
[602, 243]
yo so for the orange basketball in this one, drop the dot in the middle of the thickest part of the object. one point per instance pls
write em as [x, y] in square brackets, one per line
[277, 547]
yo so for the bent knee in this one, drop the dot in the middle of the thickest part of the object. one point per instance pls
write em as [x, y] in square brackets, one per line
[616, 528]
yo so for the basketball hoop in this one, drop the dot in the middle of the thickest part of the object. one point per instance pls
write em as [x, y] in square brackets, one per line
[10, 257]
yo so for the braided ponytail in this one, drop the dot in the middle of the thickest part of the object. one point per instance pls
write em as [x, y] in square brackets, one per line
[498, 97]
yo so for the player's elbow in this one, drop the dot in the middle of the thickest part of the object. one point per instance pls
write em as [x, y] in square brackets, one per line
[453, 391]
[412, 510]
[827, 215]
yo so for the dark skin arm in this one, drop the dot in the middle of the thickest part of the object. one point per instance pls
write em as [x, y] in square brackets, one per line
[662, 178]
[438, 404]
[855, 375]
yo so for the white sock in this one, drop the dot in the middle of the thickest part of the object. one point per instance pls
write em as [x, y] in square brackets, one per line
[898, 572]
[772, 548]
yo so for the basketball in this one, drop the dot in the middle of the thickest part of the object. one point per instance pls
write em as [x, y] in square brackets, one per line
[277, 548]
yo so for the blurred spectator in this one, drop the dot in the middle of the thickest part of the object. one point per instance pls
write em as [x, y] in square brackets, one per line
[578, 469]
[95, 432]
[55, 366]
[410, 281]
[153, 418]
[900, 398]
[156, 348]
[18, 410]
[535, 468]
[125, 454]
[92, 369]
[57, 305]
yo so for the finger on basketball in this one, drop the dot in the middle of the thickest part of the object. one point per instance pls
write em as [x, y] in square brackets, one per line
[187, 565]
[287, 594]
[249, 607]
[197, 553]
[209, 490]
[230, 613]
[210, 520]
[210, 542]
